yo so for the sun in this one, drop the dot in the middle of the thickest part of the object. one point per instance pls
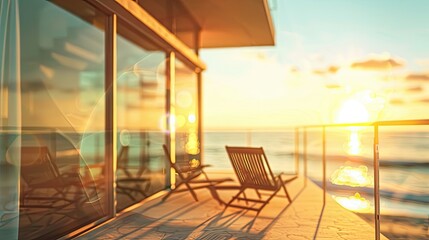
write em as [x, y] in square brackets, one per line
[352, 111]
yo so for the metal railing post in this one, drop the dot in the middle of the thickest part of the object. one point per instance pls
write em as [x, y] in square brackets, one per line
[376, 184]
[297, 151]
[305, 156]
[324, 164]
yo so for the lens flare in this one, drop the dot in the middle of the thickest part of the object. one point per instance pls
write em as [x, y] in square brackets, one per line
[355, 203]
[351, 176]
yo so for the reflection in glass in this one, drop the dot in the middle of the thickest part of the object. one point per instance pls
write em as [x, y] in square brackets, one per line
[404, 186]
[141, 117]
[9, 118]
[61, 146]
[187, 140]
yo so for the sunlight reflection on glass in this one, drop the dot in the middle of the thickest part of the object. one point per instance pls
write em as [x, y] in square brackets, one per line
[194, 163]
[355, 203]
[351, 176]
[125, 137]
[180, 121]
[192, 118]
[192, 145]
[172, 123]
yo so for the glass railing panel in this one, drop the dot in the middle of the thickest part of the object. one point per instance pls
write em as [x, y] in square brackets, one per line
[279, 148]
[349, 169]
[404, 182]
[214, 147]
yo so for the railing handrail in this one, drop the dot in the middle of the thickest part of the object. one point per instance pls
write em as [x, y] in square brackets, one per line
[368, 124]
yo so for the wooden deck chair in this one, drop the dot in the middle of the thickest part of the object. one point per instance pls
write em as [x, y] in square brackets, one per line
[45, 187]
[253, 172]
[188, 176]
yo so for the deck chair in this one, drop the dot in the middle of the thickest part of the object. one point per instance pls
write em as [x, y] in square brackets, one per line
[188, 175]
[253, 172]
[130, 184]
[45, 187]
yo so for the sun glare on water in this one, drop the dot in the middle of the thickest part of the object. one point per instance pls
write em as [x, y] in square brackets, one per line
[352, 176]
[355, 203]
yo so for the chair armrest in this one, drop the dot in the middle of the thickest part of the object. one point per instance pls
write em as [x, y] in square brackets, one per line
[293, 177]
[190, 169]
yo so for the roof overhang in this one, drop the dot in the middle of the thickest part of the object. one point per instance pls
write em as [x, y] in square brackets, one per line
[232, 23]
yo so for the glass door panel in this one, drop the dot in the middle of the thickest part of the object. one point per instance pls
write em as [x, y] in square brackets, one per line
[60, 148]
[141, 117]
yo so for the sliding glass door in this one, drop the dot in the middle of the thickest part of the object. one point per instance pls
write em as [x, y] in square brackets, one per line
[57, 115]
[60, 145]
[141, 84]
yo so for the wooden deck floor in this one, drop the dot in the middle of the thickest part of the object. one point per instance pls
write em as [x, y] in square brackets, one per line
[180, 217]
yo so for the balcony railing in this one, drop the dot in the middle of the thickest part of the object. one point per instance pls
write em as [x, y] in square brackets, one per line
[375, 150]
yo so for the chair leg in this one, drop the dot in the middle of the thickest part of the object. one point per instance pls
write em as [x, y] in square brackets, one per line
[284, 188]
[259, 194]
[192, 191]
[244, 195]
[287, 194]
[170, 192]
[235, 197]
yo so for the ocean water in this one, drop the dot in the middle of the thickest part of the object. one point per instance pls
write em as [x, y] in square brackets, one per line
[404, 165]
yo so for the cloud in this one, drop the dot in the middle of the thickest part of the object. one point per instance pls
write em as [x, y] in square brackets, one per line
[333, 86]
[330, 70]
[377, 64]
[396, 101]
[423, 100]
[415, 89]
[294, 69]
[418, 77]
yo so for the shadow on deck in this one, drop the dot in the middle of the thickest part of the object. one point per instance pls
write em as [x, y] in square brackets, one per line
[180, 217]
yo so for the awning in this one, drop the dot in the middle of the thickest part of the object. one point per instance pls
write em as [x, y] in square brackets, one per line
[223, 23]
[232, 23]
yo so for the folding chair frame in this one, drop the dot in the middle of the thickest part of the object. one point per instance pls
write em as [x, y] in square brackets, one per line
[187, 177]
[254, 172]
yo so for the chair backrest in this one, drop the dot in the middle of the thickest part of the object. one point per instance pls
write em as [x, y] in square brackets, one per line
[170, 162]
[123, 157]
[251, 167]
[37, 165]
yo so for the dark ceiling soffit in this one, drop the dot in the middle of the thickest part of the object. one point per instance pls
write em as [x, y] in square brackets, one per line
[270, 41]
[142, 21]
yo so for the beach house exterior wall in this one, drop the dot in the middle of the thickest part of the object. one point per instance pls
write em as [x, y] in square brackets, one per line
[91, 90]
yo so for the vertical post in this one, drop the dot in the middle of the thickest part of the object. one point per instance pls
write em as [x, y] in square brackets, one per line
[324, 163]
[305, 156]
[376, 184]
[171, 121]
[171, 114]
[297, 151]
[110, 114]
[199, 96]
[200, 114]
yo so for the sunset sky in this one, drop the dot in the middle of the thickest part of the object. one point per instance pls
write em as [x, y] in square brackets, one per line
[334, 61]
